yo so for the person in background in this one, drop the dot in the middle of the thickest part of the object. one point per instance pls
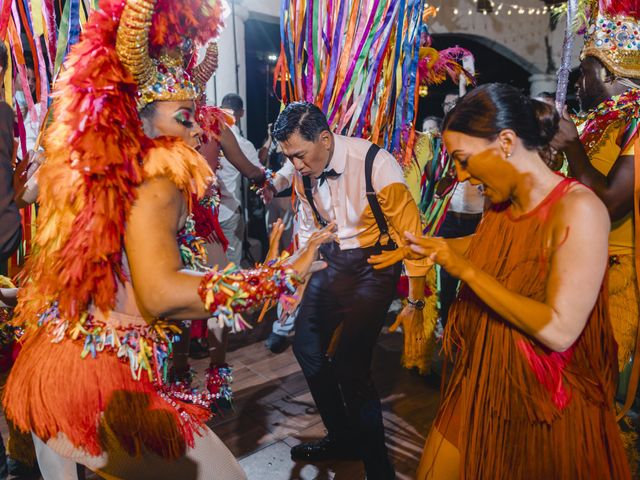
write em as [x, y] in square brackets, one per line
[231, 211]
[10, 226]
[601, 148]
[431, 124]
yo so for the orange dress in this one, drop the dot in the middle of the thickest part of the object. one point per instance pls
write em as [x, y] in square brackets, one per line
[513, 408]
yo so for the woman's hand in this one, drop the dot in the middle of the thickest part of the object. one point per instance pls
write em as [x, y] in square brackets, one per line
[306, 256]
[567, 133]
[439, 251]
[274, 241]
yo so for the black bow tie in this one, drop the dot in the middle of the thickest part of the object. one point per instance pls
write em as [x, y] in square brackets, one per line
[327, 174]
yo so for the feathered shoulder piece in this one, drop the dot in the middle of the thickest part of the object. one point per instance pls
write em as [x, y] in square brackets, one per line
[94, 147]
[434, 67]
[181, 164]
[626, 8]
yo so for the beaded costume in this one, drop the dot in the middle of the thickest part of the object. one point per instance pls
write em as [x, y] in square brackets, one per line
[91, 380]
[608, 132]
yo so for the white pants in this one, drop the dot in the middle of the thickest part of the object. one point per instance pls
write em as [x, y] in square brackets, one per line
[209, 459]
[233, 229]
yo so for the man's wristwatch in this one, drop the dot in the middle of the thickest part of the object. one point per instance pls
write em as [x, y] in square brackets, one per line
[417, 304]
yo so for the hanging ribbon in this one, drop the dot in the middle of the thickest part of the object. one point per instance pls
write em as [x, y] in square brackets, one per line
[356, 60]
[4, 18]
[567, 50]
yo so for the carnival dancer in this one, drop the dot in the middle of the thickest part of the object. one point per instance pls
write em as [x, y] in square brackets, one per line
[601, 150]
[530, 395]
[106, 284]
[361, 188]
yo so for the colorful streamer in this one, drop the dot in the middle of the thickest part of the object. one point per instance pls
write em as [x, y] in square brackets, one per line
[357, 60]
[30, 29]
[567, 49]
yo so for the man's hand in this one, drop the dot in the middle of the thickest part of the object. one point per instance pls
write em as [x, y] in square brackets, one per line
[390, 257]
[305, 257]
[412, 322]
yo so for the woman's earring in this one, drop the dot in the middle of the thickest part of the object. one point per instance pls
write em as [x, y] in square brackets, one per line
[507, 154]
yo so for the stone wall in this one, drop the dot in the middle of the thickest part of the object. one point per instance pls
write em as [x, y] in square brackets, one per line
[525, 37]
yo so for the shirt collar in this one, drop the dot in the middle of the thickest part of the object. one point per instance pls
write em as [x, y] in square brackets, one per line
[338, 160]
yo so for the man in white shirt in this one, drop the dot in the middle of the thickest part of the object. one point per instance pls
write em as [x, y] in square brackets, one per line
[231, 214]
[360, 188]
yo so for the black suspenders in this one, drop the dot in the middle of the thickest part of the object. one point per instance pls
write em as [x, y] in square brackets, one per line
[371, 197]
[308, 192]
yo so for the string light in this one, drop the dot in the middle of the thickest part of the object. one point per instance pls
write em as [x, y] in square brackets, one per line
[511, 8]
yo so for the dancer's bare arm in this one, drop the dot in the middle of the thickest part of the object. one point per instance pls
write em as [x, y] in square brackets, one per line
[163, 287]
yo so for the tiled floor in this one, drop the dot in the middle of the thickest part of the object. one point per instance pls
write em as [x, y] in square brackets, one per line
[274, 411]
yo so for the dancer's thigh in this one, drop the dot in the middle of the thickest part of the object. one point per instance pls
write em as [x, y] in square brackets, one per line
[440, 459]
[209, 459]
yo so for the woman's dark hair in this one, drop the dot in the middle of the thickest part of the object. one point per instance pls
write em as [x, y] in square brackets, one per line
[302, 117]
[489, 109]
[148, 111]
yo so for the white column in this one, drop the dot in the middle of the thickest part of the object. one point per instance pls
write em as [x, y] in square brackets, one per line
[542, 82]
[231, 76]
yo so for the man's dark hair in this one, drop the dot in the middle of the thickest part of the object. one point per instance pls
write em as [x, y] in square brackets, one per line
[302, 117]
[233, 102]
[4, 57]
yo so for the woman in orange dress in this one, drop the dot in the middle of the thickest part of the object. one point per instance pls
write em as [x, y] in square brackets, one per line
[531, 392]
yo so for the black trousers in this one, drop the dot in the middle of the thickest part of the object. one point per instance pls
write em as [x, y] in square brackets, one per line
[352, 294]
[453, 226]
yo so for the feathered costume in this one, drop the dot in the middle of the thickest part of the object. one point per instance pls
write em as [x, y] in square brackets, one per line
[92, 369]
[609, 131]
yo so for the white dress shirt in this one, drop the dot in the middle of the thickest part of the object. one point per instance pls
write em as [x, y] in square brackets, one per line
[230, 178]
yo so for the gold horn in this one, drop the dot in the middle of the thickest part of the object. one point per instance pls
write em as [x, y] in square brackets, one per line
[132, 40]
[203, 72]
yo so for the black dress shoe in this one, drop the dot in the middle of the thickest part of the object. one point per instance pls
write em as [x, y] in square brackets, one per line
[324, 449]
[276, 343]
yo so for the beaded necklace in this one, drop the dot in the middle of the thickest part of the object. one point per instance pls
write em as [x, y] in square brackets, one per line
[597, 123]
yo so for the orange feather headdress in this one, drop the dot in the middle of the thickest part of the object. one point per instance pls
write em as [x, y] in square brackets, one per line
[95, 149]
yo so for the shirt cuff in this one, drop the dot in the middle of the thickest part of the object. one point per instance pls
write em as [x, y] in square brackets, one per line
[418, 268]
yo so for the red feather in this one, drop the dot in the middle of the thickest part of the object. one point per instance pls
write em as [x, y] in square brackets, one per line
[173, 21]
[628, 8]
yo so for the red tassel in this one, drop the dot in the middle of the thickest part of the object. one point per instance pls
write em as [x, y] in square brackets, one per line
[548, 368]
